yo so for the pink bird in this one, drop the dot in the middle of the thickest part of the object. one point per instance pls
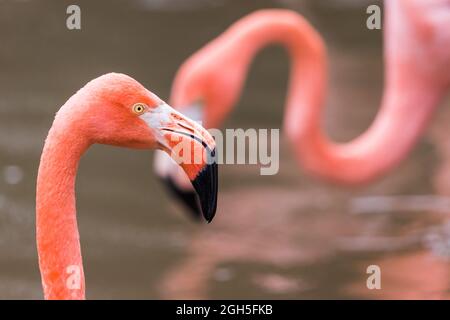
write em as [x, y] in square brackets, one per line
[417, 60]
[113, 109]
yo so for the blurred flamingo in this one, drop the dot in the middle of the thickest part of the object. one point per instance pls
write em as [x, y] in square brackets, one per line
[113, 109]
[417, 59]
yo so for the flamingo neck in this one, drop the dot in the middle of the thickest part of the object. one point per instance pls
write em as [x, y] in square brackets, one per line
[57, 235]
[406, 107]
[408, 101]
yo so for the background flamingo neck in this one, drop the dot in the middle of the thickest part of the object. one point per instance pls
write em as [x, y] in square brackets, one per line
[407, 103]
[397, 127]
[56, 225]
[275, 26]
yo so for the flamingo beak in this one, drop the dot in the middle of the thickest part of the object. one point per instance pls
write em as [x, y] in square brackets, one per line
[192, 148]
[177, 183]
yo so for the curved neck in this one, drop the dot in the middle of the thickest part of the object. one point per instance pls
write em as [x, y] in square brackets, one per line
[406, 107]
[56, 225]
[408, 101]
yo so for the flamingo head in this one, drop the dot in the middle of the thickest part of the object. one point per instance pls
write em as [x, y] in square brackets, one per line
[205, 88]
[121, 112]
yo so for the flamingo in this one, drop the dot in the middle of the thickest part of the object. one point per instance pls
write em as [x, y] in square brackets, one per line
[417, 60]
[113, 109]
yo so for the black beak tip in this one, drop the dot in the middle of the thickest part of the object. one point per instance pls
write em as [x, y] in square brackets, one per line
[204, 200]
[206, 185]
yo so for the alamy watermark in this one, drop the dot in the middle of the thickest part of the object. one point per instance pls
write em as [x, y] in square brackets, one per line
[374, 280]
[373, 22]
[73, 21]
[73, 281]
[232, 146]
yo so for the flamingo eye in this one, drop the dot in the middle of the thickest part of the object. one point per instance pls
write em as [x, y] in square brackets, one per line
[139, 108]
